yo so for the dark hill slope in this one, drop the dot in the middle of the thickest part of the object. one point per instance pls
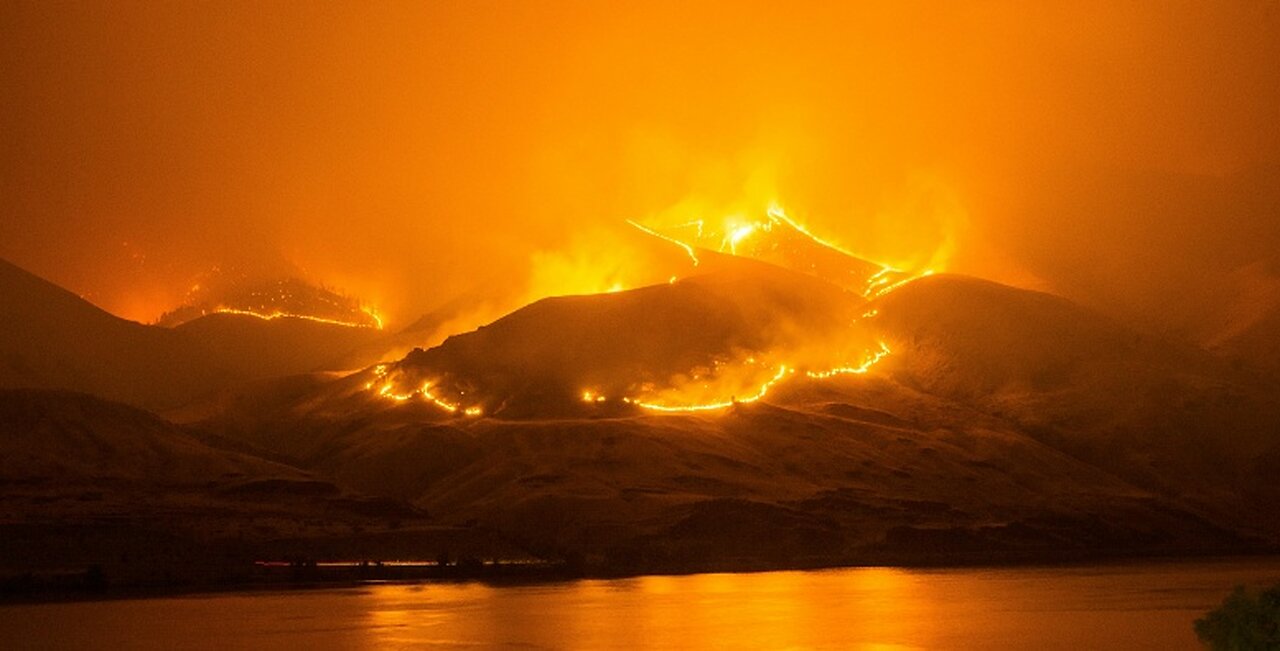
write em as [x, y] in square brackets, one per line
[53, 339]
[537, 360]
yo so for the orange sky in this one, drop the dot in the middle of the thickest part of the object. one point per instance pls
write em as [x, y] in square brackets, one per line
[1124, 154]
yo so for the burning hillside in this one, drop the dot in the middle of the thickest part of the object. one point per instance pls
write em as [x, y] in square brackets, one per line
[771, 301]
[779, 240]
[269, 299]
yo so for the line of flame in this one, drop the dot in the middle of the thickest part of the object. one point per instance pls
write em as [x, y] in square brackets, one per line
[286, 315]
[776, 213]
[783, 371]
[380, 371]
[687, 248]
[592, 397]
[856, 370]
[878, 284]
[888, 288]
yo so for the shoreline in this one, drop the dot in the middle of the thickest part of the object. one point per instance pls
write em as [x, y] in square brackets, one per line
[305, 577]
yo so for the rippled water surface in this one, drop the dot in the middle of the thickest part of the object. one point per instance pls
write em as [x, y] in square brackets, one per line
[1147, 605]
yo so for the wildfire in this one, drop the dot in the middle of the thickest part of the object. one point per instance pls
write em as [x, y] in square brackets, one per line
[271, 316]
[688, 248]
[745, 382]
[373, 314]
[227, 291]
[890, 287]
[387, 390]
[778, 216]
[855, 370]
[784, 371]
[738, 232]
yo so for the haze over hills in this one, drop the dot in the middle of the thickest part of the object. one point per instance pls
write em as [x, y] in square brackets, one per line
[231, 293]
[1004, 422]
[745, 415]
[51, 338]
[540, 359]
[54, 339]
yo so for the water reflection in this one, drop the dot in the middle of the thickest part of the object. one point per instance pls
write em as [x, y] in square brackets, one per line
[1129, 606]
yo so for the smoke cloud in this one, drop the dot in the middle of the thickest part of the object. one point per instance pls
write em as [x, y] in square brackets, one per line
[1123, 155]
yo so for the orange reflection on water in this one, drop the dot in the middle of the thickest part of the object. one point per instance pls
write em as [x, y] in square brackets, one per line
[1140, 605]
[879, 608]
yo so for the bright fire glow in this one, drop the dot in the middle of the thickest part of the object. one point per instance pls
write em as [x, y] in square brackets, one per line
[738, 234]
[856, 370]
[737, 231]
[888, 288]
[778, 215]
[783, 372]
[687, 247]
[386, 390]
[678, 399]
[271, 316]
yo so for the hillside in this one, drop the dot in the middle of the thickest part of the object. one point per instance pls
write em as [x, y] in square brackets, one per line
[1163, 412]
[254, 348]
[1005, 424]
[53, 339]
[1002, 424]
[90, 482]
[538, 360]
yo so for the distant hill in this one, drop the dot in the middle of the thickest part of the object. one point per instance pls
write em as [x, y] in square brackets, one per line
[540, 358]
[66, 438]
[253, 348]
[91, 483]
[53, 339]
[1138, 405]
[1004, 424]
[227, 289]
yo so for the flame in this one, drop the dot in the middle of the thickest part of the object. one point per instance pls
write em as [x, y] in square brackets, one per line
[271, 316]
[784, 371]
[373, 314]
[752, 379]
[738, 234]
[386, 390]
[855, 370]
[888, 288]
[688, 248]
[591, 396]
[776, 214]
[737, 231]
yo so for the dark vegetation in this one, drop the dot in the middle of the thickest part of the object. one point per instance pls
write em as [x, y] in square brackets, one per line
[1246, 621]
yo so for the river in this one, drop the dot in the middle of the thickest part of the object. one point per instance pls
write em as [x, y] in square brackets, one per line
[1147, 605]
